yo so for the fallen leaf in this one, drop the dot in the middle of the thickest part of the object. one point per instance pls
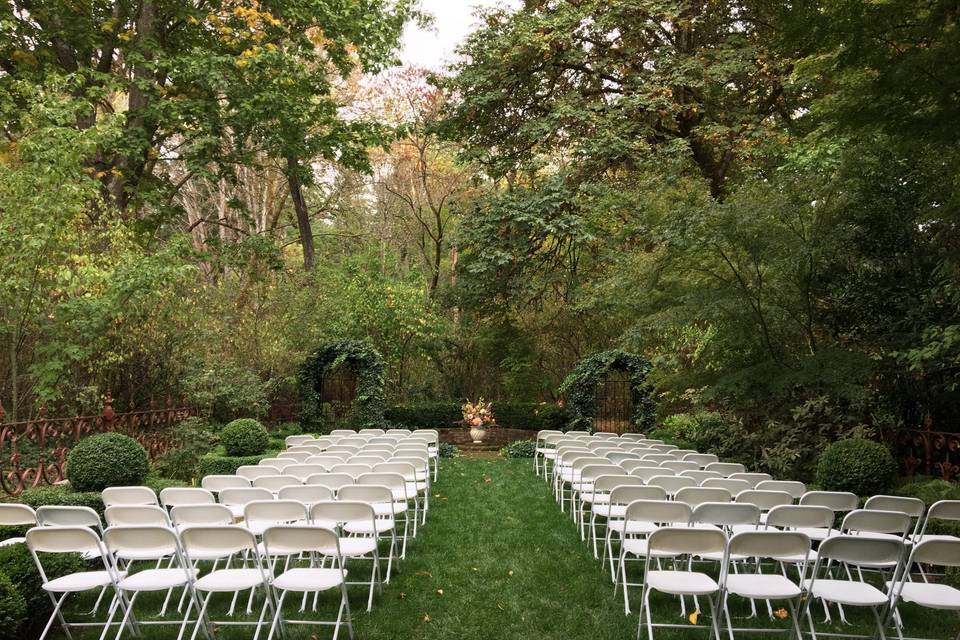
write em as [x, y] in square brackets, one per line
[510, 573]
[402, 595]
[423, 574]
[426, 617]
[694, 617]
[781, 613]
[475, 569]
[439, 592]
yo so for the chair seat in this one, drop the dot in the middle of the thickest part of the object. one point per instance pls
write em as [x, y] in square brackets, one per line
[157, 579]
[365, 526]
[755, 585]
[10, 541]
[549, 454]
[308, 579]
[225, 580]
[691, 583]
[849, 592]
[934, 596]
[80, 581]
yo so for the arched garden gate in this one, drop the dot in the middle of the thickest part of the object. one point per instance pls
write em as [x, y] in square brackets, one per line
[347, 376]
[608, 391]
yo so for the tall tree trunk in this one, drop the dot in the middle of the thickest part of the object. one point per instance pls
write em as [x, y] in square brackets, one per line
[300, 206]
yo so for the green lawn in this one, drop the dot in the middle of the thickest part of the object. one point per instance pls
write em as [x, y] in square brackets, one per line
[499, 560]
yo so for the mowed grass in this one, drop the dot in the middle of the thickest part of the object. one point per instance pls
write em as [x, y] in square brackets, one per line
[498, 560]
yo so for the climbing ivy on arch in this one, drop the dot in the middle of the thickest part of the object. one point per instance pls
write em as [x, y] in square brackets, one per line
[365, 361]
[580, 384]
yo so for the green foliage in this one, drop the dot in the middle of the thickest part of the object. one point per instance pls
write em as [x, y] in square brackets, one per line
[449, 450]
[530, 415]
[244, 437]
[106, 460]
[196, 438]
[221, 392]
[364, 361]
[424, 415]
[17, 564]
[446, 413]
[216, 463]
[931, 491]
[62, 494]
[862, 466]
[519, 449]
[13, 609]
[580, 384]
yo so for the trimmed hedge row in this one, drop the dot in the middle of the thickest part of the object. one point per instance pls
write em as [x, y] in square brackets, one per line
[215, 463]
[446, 413]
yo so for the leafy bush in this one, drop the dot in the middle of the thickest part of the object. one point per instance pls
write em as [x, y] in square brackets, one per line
[197, 438]
[244, 437]
[862, 466]
[425, 415]
[530, 415]
[13, 609]
[519, 449]
[17, 564]
[449, 450]
[106, 460]
[221, 392]
[285, 429]
[931, 491]
[158, 483]
[62, 494]
[219, 464]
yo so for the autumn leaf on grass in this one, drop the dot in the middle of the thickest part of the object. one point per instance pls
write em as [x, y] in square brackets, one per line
[439, 592]
[402, 595]
[426, 617]
[423, 574]
[781, 613]
[510, 573]
[694, 617]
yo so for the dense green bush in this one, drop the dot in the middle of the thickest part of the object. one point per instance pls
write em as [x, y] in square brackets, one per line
[217, 463]
[360, 357]
[862, 466]
[158, 483]
[17, 564]
[62, 494]
[13, 609]
[285, 429]
[244, 437]
[425, 415]
[530, 415]
[931, 491]
[106, 460]
[197, 439]
[221, 392]
[449, 450]
[519, 449]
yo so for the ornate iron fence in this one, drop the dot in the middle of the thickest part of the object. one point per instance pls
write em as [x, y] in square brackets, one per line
[924, 451]
[34, 452]
[614, 403]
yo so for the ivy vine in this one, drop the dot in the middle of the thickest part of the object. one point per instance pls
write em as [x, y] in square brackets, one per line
[580, 384]
[360, 356]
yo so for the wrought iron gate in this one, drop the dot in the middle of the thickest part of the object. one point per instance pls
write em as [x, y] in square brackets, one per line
[614, 403]
[337, 390]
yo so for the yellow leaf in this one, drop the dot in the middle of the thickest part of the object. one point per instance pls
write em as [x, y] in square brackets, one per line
[694, 617]
[781, 613]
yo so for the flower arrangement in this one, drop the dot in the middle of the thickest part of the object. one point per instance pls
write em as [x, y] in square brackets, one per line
[479, 414]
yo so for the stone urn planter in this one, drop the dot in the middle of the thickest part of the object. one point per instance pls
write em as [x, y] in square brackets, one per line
[477, 434]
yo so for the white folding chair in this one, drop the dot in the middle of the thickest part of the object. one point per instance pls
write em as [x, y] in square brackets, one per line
[702, 459]
[753, 478]
[193, 515]
[726, 468]
[253, 471]
[599, 500]
[943, 510]
[75, 539]
[277, 463]
[380, 498]
[292, 441]
[273, 484]
[296, 456]
[177, 496]
[217, 483]
[700, 476]
[332, 481]
[305, 494]
[679, 466]
[941, 552]
[795, 488]
[361, 546]
[401, 499]
[615, 511]
[913, 507]
[674, 543]
[259, 515]
[735, 487]
[695, 496]
[671, 484]
[16, 515]
[128, 495]
[136, 515]
[236, 499]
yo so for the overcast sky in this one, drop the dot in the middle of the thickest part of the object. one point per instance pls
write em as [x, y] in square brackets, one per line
[453, 20]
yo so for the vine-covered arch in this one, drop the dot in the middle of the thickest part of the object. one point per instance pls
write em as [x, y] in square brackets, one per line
[366, 364]
[580, 385]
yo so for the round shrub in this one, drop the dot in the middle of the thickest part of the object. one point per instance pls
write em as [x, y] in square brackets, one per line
[519, 449]
[244, 437]
[106, 460]
[13, 608]
[449, 450]
[861, 466]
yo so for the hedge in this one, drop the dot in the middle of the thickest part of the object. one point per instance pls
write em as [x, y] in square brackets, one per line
[446, 413]
[218, 464]
[62, 494]
[17, 564]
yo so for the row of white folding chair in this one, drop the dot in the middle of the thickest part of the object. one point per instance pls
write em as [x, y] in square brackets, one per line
[164, 544]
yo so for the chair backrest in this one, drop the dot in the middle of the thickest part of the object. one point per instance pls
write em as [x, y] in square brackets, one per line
[330, 480]
[659, 458]
[144, 542]
[796, 516]
[277, 463]
[649, 473]
[608, 482]
[327, 460]
[65, 539]
[630, 465]
[243, 496]
[938, 552]
[343, 432]
[275, 483]
[793, 487]
[700, 476]
[860, 550]
[217, 483]
[702, 459]
[306, 493]
[224, 541]
[260, 512]
[292, 441]
[766, 500]
[616, 457]
[838, 501]
[354, 470]
[373, 431]
[753, 478]
[304, 471]
[948, 510]
[175, 496]
[399, 431]
[253, 471]
[371, 494]
[393, 481]
[913, 507]
[632, 436]
[694, 496]
[772, 545]
[186, 515]
[681, 541]
[659, 512]
[625, 494]
[285, 540]
[679, 454]
[726, 514]
[875, 521]
[128, 495]
[136, 515]
[680, 465]
[592, 471]
[726, 468]
[68, 516]
[368, 458]
[297, 456]
[13, 514]
[733, 486]
[671, 484]
[335, 513]
[665, 448]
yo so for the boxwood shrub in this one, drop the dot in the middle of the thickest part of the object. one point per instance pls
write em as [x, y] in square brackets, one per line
[106, 460]
[244, 437]
[62, 494]
[859, 465]
[13, 609]
[217, 463]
